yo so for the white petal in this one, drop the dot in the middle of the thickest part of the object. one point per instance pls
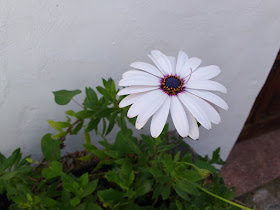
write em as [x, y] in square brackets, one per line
[157, 64]
[128, 100]
[139, 81]
[206, 72]
[195, 109]
[135, 89]
[206, 85]
[210, 97]
[138, 73]
[182, 59]
[147, 68]
[163, 61]
[173, 64]
[194, 131]
[138, 126]
[159, 119]
[147, 105]
[190, 66]
[179, 117]
[211, 113]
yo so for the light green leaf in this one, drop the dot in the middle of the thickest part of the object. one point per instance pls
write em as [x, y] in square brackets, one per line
[58, 125]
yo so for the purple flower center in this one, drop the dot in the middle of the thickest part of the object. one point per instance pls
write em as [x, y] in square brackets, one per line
[172, 85]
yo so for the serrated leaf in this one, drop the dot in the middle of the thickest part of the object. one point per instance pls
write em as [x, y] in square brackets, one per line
[63, 97]
[50, 147]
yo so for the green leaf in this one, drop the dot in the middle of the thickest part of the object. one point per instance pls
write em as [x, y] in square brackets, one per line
[179, 205]
[158, 190]
[10, 161]
[93, 123]
[75, 201]
[204, 165]
[84, 114]
[110, 196]
[181, 193]
[166, 191]
[87, 137]
[192, 175]
[148, 141]
[89, 188]
[53, 170]
[91, 95]
[71, 113]
[58, 125]
[63, 97]
[77, 128]
[127, 173]
[84, 180]
[111, 122]
[146, 186]
[50, 147]
[187, 187]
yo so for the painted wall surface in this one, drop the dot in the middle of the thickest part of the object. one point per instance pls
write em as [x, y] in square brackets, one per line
[58, 44]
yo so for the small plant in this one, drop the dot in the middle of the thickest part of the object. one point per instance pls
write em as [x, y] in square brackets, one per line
[131, 173]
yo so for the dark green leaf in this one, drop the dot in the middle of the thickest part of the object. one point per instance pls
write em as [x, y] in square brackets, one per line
[75, 201]
[111, 122]
[89, 188]
[84, 114]
[84, 180]
[78, 127]
[187, 187]
[50, 147]
[110, 196]
[91, 95]
[93, 123]
[146, 186]
[204, 165]
[181, 193]
[166, 191]
[63, 97]
[192, 175]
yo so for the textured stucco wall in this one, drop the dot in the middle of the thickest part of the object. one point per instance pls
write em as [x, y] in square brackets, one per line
[58, 44]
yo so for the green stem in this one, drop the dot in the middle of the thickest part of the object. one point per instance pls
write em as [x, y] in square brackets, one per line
[223, 199]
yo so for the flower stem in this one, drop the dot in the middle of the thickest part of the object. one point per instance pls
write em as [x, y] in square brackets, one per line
[221, 198]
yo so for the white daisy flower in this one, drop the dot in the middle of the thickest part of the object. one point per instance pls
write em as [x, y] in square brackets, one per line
[182, 87]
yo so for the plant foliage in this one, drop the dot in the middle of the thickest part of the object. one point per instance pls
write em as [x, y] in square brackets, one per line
[130, 173]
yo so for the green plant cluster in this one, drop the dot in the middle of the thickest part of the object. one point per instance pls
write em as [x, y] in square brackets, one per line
[130, 173]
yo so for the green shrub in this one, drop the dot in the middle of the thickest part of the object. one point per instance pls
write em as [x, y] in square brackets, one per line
[131, 173]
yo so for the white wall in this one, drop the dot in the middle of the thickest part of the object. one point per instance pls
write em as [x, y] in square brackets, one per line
[59, 44]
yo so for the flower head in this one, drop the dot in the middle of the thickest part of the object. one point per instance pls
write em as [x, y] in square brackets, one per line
[181, 87]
